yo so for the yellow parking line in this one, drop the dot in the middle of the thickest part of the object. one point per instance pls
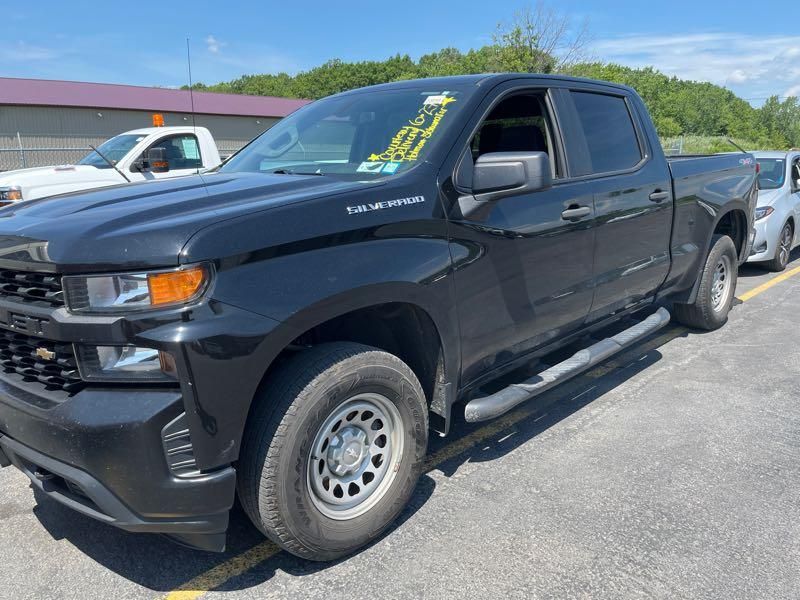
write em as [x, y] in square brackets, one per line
[241, 563]
[768, 284]
[223, 572]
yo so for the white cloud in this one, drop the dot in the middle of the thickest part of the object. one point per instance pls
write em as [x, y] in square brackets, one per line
[752, 66]
[214, 45]
[23, 51]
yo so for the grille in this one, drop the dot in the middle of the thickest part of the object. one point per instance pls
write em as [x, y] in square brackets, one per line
[37, 360]
[42, 289]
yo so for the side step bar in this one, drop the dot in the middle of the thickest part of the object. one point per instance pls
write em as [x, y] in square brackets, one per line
[488, 407]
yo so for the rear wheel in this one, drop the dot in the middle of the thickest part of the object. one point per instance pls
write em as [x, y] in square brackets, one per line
[783, 249]
[717, 287]
[333, 449]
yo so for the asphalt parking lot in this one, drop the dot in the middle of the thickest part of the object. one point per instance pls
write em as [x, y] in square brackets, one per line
[671, 471]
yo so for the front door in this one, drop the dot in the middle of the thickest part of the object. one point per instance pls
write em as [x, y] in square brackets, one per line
[183, 155]
[523, 270]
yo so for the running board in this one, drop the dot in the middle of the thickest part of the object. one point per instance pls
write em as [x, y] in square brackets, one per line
[488, 407]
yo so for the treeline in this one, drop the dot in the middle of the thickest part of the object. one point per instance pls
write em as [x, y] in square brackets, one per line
[678, 107]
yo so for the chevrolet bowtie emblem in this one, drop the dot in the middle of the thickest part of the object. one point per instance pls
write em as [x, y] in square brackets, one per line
[45, 354]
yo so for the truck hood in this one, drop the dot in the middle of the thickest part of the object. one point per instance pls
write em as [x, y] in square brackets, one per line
[40, 179]
[142, 225]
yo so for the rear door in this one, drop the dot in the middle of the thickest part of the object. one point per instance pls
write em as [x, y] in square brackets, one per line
[632, 200]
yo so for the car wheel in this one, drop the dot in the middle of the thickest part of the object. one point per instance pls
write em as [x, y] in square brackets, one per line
[333, 449]
[783, 249]
[717, 288]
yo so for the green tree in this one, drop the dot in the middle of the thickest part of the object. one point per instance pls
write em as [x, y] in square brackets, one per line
[541, 39]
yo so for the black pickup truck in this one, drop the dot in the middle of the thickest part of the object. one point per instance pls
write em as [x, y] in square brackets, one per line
[290, 327]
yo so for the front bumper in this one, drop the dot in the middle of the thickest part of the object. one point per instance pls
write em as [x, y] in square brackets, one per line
[766, 239]
[109, 464]
[147, 459]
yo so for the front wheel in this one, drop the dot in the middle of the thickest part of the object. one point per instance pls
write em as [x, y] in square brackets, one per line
[717, 288]
[333, 449]
[783, 250]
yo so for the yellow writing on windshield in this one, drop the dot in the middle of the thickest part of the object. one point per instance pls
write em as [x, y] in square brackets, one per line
[410, 139]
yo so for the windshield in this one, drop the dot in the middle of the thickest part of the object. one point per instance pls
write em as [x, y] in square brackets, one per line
[359, 136]
[114, 150]
[772, 173]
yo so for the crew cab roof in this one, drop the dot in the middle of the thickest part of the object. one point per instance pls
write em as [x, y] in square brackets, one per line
[482, 79]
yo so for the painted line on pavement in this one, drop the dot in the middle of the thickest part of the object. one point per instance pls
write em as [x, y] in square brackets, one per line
[768, 284]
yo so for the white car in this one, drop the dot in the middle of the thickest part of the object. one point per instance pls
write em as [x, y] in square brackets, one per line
[778, 212]
[123, 158]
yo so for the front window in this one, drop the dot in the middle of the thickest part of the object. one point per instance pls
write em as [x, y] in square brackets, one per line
[771, 174]
[359, 136]
[181, 151]
[114, 150]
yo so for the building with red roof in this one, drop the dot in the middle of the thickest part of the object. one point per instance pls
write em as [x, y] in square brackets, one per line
[45, 122]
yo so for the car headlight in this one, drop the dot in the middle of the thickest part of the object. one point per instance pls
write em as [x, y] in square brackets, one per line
[127, 292]
[10, 193]
[125, 364]
[763, 211]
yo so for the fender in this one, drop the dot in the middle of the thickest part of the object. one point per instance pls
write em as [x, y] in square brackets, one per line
[700, 206]
[292, 287]
[735, 205]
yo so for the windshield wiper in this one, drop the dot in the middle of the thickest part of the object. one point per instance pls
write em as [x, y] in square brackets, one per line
[291, 172]
[110, 163]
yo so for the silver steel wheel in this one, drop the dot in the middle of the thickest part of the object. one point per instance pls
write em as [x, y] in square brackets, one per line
[354, 455]
[785, 244]
[721, 284]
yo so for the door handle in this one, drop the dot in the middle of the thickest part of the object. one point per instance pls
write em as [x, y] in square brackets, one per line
[659, 196]
[576, 212]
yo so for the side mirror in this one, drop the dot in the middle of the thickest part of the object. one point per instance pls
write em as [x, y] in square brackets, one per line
[497, 175]
[156, 161]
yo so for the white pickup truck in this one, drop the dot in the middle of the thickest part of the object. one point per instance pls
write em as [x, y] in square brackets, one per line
[138, 155]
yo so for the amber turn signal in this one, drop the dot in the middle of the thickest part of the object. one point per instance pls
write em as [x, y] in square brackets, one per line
[175, 287]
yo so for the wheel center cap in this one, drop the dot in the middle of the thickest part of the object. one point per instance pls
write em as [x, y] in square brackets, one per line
[346, 450]
[351, 454]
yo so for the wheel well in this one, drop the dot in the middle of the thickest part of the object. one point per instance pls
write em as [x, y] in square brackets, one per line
[734, 225]
[398, 328]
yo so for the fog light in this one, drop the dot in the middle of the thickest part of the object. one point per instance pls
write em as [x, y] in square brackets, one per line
[125, 364]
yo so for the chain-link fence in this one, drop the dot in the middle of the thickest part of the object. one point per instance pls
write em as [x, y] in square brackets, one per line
[23, 158]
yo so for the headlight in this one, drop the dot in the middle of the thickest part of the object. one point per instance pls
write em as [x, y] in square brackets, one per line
[124, 292]
[763, 212]
[125, 364]
[10, 194]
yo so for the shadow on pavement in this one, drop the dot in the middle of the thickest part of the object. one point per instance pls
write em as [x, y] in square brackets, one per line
[160, 565]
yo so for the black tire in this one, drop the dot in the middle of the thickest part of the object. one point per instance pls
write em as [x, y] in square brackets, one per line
[274, 481]
[705, 313]
[781, 258]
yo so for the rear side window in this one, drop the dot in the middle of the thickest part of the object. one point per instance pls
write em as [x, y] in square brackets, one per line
[609, 131]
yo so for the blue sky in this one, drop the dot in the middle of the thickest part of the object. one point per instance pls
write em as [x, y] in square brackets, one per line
[754, 49]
